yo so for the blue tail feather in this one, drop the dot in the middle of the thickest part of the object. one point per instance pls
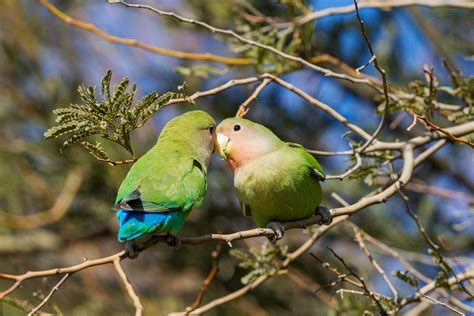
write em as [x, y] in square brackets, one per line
[137, 224]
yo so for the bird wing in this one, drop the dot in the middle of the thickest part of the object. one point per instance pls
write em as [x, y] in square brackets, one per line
[177, 185]
[311, 162]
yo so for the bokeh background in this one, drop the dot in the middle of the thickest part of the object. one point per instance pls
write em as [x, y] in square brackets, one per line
[43, 60]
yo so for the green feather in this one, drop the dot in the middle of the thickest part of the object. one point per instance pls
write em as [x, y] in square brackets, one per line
[280, 182]
[172, 175]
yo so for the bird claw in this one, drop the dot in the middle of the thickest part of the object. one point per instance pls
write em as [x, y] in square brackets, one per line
[326, 216]
[278, 229]
[173, 241]
[132, 248]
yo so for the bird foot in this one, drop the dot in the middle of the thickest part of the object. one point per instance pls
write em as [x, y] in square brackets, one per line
[133, 248]
[278, 229]
[326, 216]
[173, 241]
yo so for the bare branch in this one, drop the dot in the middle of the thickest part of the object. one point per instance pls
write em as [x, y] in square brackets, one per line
[320, 105]
[430, 287]
[441, 130]
[133, 42]
[114, 163]
[437, 302]
[290, 258]
[50, 294]
[383, 5]
[360, 240]
[128, 287]
[353, 169]
[244, 107]
[210, 277]
[384, 81]
[231, 33]
[375, 296]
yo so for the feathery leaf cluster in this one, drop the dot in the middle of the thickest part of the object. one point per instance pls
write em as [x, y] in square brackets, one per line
[260, 262]
[113, 116]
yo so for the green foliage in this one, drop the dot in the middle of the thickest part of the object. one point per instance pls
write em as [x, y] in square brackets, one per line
[260, 262]
[423, 95]
[463, 88]
[294, 40]
[466, 114]
[356, 305]
[112, 117]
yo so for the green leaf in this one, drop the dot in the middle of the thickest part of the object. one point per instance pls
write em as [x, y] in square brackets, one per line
[113, 117]
[96, 150]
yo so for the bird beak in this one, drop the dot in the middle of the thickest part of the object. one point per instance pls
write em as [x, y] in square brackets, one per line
[221, 144]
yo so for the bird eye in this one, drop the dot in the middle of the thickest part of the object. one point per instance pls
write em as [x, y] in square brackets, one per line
[211, 129]
[237, 127]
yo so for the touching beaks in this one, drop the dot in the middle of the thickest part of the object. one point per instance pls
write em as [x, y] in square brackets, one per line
[221, 144]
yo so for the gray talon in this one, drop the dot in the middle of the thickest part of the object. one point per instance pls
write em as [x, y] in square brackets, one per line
[326, 217]
[132, 248]
[173, 241]
[278, 229]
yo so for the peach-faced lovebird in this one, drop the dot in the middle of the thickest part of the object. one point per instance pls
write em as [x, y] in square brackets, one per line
[168, 181]
[275, 181]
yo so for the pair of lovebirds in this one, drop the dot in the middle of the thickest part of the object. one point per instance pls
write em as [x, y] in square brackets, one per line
[275, 181]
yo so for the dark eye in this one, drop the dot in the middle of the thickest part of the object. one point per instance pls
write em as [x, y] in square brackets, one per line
[237, 127]
[211, 129]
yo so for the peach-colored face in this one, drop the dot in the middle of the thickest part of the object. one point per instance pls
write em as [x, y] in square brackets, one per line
[240, 141]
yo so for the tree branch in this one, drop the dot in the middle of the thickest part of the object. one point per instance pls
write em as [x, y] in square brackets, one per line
[50, 294]
[428, 288]
[383, 5]
[133, 42]
[128, 287]
[210, 277]
[231, 33]
[244, 107]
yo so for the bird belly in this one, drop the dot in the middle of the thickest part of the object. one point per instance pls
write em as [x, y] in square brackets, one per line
[286, 196]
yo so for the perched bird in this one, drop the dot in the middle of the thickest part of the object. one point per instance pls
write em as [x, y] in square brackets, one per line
[275, 181]
[167, 182]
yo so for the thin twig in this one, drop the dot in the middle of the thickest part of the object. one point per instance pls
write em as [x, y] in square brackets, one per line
[210, 277]
[443, 193]
[306, 283]
[353, 169]
[320, 105]
[384, 81]
[290, 258]
[133, 42]
[382, 5]
[437, 302]
[128, 287]
[330, 153]
[114, 163]
[244, 107]
[428, 288]
[375, 296]
[431, 243]
[359, 236]
[340, 277]
[50, 294]
[441, 130]
[231, 33]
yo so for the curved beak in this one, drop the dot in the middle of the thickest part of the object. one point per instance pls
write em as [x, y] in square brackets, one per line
[221, 144]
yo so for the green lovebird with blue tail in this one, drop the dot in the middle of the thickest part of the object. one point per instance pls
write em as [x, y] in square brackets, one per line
[275, 181]
[163, 186]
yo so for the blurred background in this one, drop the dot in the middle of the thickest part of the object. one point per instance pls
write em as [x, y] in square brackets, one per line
[43, 60]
